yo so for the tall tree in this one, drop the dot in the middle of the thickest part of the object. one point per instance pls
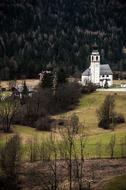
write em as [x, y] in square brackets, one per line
[47, 80]
[8, 110]
[106, 112]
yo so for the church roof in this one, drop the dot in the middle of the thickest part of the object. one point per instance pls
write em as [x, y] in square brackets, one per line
[86, 72]
[104, 70]
[95, 47]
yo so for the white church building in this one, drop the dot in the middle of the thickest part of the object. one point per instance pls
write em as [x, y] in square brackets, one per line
[98, 74]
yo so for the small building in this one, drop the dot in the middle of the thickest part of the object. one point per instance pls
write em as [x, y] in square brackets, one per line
[98, 74]
[17, 91]
[42, 74]
[123, 85]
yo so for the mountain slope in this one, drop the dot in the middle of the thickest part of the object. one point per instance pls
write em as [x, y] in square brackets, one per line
[35, 33]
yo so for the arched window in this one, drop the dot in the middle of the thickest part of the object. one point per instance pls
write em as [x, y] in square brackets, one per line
[96, 58]
[92, 58]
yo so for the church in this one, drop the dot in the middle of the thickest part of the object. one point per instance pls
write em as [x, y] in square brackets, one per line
[98, 74]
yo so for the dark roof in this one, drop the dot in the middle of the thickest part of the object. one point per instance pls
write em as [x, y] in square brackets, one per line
[95, 46]
[86, 72]
[104, 70]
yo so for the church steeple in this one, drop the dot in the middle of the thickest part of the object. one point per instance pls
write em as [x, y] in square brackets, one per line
[95, 47]
[95, 65]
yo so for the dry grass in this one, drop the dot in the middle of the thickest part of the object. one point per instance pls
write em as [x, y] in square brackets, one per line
[35, 82]
[29, 82]
[118, 82]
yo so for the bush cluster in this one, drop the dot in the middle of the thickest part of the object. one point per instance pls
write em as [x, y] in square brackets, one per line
[37, 110]
[106, 115]
[89, 88]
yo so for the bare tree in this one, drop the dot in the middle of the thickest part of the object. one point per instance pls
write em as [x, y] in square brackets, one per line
[66, 150]
[45, 150]
[8, 110]
[73, 153]
[70, 144]
[111, 145]
[50, 178]
[79, 160]
[74, 123]
[33, 149]
[10, 157]
[99, 149]
[53, 166]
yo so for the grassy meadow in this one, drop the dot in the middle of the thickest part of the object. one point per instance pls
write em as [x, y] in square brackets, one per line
[29, 82]
[87, 113]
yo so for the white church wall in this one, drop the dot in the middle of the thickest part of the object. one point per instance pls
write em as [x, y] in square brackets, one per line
[95, 76]
[111, 80]
[85, 79]
[95, 67]
[103, 79]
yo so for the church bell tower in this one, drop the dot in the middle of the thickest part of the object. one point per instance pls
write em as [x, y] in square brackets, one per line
[95, 66]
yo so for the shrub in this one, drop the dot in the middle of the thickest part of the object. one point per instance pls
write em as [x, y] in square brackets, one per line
[106, 114]
[74, 123]
[43, 124]
[89, 88]
[118, 118]
[34, 112]
[66, 96]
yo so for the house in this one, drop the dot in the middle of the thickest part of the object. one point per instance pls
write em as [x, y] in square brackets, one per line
[123, 85]
[98, 74]
[42, 74]
[17, 91]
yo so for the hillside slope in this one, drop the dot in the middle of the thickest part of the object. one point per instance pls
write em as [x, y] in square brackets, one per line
[35, 33]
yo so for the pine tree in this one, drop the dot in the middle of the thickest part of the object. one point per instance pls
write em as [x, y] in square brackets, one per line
[61, 76]
[47, 80]
[25, 89]
[24, 93]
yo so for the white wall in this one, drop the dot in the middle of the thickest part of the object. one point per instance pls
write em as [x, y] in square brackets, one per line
[85, 79]
[109, 79]
[95, 72]
[95, 67]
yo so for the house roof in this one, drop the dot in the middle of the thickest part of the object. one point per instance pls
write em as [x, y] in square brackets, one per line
[104, 70]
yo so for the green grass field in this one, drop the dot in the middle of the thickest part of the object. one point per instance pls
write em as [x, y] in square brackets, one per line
[86, 110]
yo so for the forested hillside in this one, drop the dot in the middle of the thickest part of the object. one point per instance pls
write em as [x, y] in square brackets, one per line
[36, 33]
